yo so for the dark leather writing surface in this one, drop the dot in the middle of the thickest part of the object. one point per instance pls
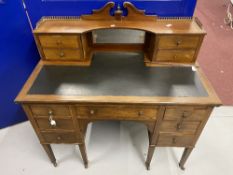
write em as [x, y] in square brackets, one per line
[118, 74]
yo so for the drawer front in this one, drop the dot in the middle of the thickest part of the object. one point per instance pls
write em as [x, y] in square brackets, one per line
[185, 113]
[45, 124]
[47, 110]
[176, 141]
[59, 41]
[178, 42]
[63, 54]
[117, 112]
[181, 127]
[68, 137]
[182, 56]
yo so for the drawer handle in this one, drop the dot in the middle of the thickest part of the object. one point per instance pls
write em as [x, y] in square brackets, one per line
[62, 54]
[140, 113]
[178, 43]
[92, 112]
[175, 57]
[58, 42]
[52, 122]
[58, 137]
[179, 125]
[174, 140]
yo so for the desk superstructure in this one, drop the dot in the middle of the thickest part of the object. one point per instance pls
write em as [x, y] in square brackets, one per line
[156, 82]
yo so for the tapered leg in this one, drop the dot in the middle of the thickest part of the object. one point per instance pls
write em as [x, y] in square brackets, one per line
[49, 152]
[150, 153]
[184, 157]
[82, 148]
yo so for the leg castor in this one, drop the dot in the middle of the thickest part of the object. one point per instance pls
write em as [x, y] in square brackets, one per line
[55, 164]
[147, 166]
[181, 167]
[86, 165]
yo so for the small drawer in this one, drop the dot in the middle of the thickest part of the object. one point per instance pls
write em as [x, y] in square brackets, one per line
[55, 124]
[117, 112]
[182, 56]
[67, 137]
[178, 42]
[59, 41]
[176, 141]
[185, 113]
[63, 54]
[46, 110]
[183, 127]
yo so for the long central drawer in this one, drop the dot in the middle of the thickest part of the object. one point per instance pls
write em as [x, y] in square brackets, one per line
[118, 112]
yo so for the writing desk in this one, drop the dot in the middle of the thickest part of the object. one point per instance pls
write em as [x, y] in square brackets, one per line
[173, 102]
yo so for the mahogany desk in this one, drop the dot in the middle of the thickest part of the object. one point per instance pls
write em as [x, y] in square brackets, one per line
[173, 102]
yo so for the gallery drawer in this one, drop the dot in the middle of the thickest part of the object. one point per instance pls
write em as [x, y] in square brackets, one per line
[182, 56]
[117, 112]
[63, 54]
[59, 41]
[178, 42]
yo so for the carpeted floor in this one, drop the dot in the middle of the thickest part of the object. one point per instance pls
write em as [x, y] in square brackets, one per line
[216, 54]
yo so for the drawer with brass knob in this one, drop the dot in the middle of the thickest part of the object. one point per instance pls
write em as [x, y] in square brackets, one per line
[175, 140]
[61, 137]
[63, 54]
[117, 111]
[59, 41]
[182, 56]
[185, 113]
[178, 41]
[50, 110]
[54, 123]
[184, 127]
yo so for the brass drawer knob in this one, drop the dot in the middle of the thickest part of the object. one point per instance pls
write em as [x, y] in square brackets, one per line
[58, 137]
[92, 112]
[174, 141]
[140, 113]
[178, 43]
[52, 122]
[185, 114]
[58, 42]
[62, 54]
[178, 126]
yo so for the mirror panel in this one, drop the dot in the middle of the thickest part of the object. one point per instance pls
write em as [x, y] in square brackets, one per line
[118, 36]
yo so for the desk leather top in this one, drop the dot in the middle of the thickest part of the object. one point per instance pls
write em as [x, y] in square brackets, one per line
[118, 74]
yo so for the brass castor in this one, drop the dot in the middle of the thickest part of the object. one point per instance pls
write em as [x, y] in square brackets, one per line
[181, 167]
[147, 166]
[55, 164]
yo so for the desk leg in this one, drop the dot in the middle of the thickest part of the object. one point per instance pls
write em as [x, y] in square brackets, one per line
[82, 148]
[185, 155]
[150, 153]
[50, 154]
